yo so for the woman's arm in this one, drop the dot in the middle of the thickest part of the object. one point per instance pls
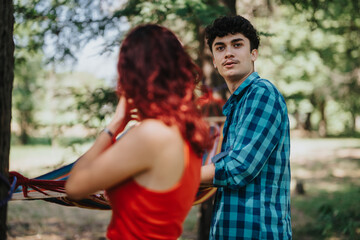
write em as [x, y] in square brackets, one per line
[150, 150]
[102, 143]
[131, 155]
[104, 140]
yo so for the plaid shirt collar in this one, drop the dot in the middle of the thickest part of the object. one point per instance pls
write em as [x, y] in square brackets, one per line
[239, 92]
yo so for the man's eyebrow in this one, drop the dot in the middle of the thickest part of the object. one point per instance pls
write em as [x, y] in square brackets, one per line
[219, 43]
[237, 40]
[232, 41]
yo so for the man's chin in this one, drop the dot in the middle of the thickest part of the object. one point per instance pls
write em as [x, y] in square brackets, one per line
[234, 77]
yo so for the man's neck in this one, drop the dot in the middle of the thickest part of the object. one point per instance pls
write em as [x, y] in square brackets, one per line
[234, 84]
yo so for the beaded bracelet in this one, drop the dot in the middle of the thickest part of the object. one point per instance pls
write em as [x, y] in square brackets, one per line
[106, 130]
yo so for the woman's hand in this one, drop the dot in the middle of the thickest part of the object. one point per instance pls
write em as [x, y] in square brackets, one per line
[120, 118]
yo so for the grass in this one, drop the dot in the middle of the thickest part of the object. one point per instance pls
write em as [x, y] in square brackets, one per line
[329, 215]
[330, 172]
[34, 160]
[43, 220]
[328, 168]
[30, 220]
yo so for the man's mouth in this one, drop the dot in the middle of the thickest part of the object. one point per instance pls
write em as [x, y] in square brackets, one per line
[229, 63]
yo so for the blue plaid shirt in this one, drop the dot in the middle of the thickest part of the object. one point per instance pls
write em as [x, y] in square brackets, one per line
[252, 172]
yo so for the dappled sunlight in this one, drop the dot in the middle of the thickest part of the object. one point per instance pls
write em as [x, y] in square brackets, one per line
[328, 171]
[34, 160]
[321, 159]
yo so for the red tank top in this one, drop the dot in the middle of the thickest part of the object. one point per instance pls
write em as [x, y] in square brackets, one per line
[141, 213]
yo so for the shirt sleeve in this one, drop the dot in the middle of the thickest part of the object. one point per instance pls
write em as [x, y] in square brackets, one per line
[257, 130]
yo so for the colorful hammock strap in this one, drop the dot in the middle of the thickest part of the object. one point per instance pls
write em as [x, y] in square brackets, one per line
[11, 189]
[37, 184]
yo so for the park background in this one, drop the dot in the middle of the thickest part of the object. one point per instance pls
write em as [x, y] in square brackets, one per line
[63, 95]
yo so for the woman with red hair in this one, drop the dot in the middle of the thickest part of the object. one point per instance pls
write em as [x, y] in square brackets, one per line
[151, 175]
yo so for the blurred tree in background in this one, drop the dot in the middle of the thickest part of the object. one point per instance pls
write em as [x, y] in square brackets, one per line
[310, 49]
[332, 39]
[47, 35]
[61, 27]
[88, 101]
[25, 93]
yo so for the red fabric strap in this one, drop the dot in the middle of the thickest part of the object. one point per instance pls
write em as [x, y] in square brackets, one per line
[37, 184]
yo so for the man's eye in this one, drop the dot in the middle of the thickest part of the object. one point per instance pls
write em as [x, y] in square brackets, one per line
[237, 45]
[220, 48]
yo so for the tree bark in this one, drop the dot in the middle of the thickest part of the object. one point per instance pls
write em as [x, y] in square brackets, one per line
[205, 219]
[6, 84]
[323, 120]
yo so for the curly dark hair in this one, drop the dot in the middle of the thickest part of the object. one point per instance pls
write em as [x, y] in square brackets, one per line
[225, 25]
[159, 76]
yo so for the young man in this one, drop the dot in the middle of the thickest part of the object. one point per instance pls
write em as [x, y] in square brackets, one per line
[252, 172]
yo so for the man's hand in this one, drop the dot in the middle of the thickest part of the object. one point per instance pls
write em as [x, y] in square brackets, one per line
[207, 175]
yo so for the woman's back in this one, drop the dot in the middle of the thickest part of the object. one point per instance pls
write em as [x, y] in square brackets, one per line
[165, 146]
[154, 204]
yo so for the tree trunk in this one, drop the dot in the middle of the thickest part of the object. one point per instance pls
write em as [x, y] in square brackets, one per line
[205, 219]
[307, 123]
[6, 84]
[323, 120]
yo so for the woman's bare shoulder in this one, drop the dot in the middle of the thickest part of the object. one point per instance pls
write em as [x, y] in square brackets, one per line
[156, 131]
[157, 141]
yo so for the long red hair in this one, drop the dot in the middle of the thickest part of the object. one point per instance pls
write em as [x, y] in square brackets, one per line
[157, 74]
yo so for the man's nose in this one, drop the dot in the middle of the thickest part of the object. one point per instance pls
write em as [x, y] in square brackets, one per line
[228, 53]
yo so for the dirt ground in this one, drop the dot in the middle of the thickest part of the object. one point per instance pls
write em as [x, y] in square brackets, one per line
[318, 164]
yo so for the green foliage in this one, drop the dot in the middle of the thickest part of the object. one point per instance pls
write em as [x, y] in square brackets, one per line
[309, 48]
[335, 33]
[81, 99]
[61, 27]
[341, 21]
[287, 58]
[26, 94]
[187, 18]
[93, 106]
[201, 11]
[310, 58]
[334, 215]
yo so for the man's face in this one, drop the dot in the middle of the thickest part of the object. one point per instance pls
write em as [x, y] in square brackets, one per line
[232, 57]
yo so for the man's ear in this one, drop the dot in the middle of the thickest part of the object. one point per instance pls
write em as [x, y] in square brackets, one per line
[214, 62]
[254, 54]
